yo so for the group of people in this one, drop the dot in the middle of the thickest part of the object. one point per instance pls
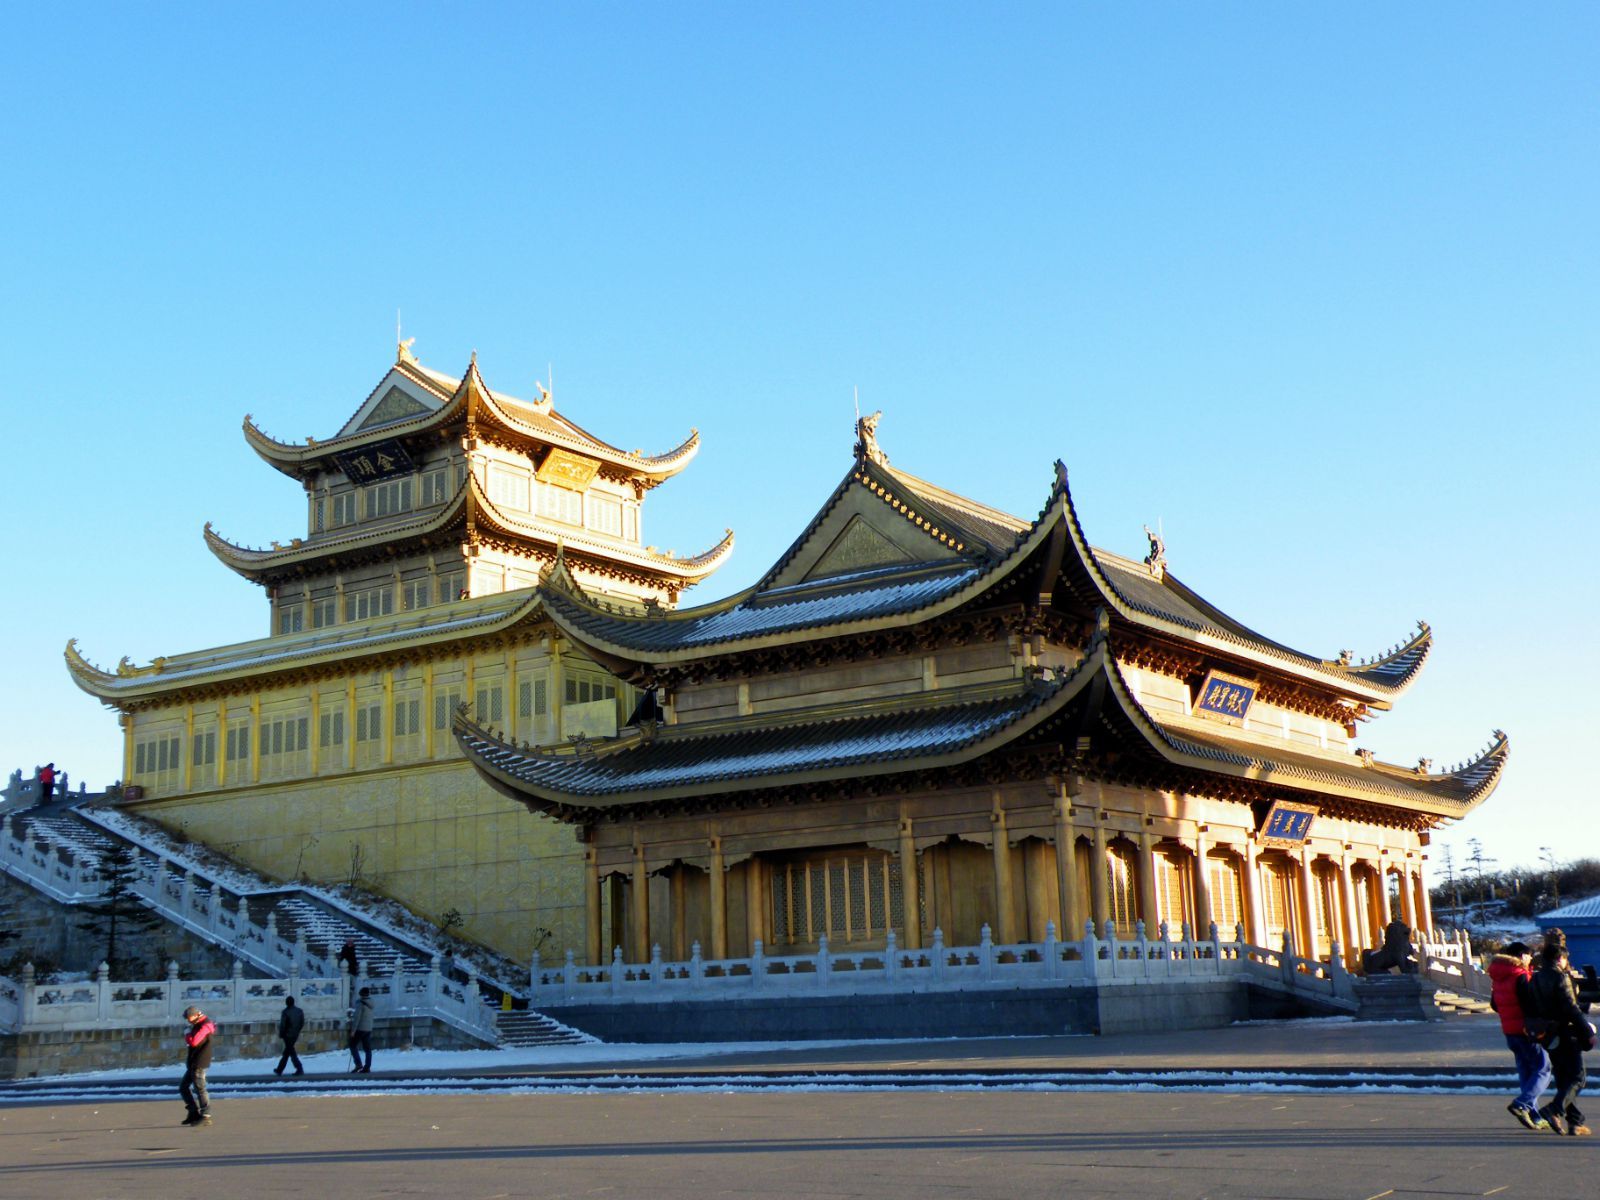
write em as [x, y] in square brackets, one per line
[1545, 1027]
[201, 1030]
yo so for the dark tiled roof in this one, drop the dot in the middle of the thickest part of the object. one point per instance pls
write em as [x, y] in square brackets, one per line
[837, 600]
[685, 756]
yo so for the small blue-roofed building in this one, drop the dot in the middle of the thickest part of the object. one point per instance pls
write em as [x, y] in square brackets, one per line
[1581, 923]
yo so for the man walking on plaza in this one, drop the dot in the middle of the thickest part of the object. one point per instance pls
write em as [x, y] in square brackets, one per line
[195, 1066]
[1568, 1034]
[1511, 998]
[361, 1033]
[290, 1023]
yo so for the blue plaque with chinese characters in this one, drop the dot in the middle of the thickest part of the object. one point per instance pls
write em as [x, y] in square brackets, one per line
[375, 463]
[1287, 824]
[1225, 698]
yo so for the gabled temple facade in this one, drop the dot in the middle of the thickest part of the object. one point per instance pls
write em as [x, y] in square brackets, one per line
[930, 714]
[323, 749]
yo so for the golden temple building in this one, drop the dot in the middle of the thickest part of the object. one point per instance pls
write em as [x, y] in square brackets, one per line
[323, 750]
[932, 715]
[479, 692]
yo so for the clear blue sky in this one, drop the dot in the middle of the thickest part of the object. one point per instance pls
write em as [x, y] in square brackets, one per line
[1316, 289]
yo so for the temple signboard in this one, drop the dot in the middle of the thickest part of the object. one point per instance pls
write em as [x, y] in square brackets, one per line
[1225, 698]
[373, 464]
[567, 470]
[1287, 825]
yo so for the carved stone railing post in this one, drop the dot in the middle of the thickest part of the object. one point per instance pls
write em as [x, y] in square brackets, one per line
[985, 954]
[616, 970]
[569, 975]
[534, 982]
[654, 982]
[236, 991]
[824, 964]
[1286, 961]
[1216, 947]
[938, 953]
[1052, 950]
[436, 980]
[891, 957]
[1089, 953]
[696, 967]
[30, 981]
[758, 964]
[1343, 985]
[102, 992]
[174, 994]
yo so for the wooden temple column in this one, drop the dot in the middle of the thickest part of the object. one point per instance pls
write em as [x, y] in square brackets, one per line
[1424, 901]
[1066, 869]
[617, 931]
[591, 906]
[1308, 900]
[1408, 899]
[1148, 910]
[1252, 885]
[1202, 885]
[910, 898]
[755, 907]
[641, 906]
[1347, 909]
[719, 902]
[1099, 889]
[1003, 932]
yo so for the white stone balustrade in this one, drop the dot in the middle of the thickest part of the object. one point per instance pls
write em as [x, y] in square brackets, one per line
[27, 1006]
[1050, 963]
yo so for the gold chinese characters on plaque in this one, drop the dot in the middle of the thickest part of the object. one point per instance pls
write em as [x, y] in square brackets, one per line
[568, 470]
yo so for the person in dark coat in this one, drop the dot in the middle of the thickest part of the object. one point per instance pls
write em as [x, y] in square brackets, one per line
[195, 1065]
[361, 1032]
[347, 955]
[290, 1023]
[1568, 1034]
[1511, 998]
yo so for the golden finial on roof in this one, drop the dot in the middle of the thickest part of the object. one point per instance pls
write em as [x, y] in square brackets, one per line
[403, 351]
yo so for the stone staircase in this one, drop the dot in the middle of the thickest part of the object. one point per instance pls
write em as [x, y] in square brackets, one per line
[1454, 1004]
[1395, 998]
[525, 1027]
[277, 929]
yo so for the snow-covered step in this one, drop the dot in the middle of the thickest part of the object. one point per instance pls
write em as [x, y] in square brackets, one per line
[526, 1027]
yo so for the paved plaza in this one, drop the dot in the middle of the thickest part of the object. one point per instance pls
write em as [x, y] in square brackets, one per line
[895, 1144]
[395, 1137]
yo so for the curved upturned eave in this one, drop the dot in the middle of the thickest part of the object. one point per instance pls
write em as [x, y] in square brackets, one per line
[477, 743]
[1458, 791]
[1029, 542]
[1227, 636]
[256, 565]
[297, 460]
[269, 657]
[653, 467]
[686, 571]
[86, 675]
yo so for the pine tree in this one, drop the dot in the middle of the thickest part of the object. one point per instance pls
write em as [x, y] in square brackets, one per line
[119, 908]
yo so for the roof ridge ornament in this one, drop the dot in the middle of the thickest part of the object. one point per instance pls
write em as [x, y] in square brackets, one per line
[867, 439]
[1156, 560]
[403, 354]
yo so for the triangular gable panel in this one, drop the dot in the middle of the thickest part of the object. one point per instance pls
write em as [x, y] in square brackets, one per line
[860, 531]
[394, 399]
[860, 546]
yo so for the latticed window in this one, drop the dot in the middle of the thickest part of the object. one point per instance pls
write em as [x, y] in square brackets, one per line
[407, 718]
[331, 729]
[436, 486]
[1172, 895]
[445, 704]
[853, 897]
[416, 593]
[559, 503]
[490, 705]
[533, 698]
[1277, 906]
[1226, 895]
[1122, 888]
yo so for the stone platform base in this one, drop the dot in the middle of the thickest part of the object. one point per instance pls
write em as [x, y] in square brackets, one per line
[31, 1055]
[1109, 1008]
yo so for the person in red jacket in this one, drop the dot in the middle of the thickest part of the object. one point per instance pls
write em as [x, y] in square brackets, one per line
[1511, 997]
[195, 1066]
